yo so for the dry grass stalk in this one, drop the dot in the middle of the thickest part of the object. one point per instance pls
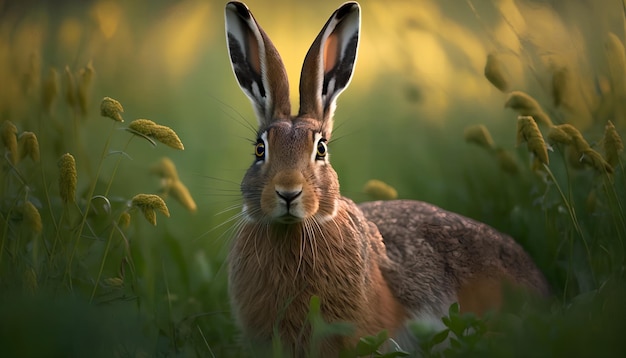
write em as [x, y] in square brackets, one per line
[163, 134]
[85, 77]
[67, 178]
[70, 88]
[527, 131]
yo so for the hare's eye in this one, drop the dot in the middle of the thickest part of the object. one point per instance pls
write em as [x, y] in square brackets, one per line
[259, 150]
[321, 149]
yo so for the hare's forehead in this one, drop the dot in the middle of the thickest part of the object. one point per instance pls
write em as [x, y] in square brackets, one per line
[289, 134]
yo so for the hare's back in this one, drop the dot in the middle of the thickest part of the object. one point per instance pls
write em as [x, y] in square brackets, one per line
[436, 253]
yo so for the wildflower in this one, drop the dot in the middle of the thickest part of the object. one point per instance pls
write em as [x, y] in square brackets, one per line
[161, 133]
[380, 190]
[112, 109]
[612, 144]
[67, 178]
[32, 218]
[479, 134]
[525, 105]
[180, 192]
[9, 139]
[527, 131]
[50, 90]
[494, 74]
[148, 203]
[29, 146]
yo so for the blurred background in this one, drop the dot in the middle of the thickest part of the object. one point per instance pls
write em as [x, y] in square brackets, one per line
[419, 83]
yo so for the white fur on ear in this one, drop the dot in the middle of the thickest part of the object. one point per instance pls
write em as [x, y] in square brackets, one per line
[256, 64]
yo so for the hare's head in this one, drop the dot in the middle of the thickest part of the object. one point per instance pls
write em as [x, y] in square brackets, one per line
[291, 179]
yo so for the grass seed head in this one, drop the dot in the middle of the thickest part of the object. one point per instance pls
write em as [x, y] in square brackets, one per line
[85, 78]
[380, 190]
[179, 191]
[29, 146]
[148, 203]
[70, 88]
[67, 178]
[32, 218]
[112, 109]
[556, 135]
[525, 105]
[161, 133]
[506, 161]
[9, 140]
[527, 131]
[166, 169]
[479, 134]
[50, 90]
[596, 161]
[612, 143]
[494, 74]
[124, 220]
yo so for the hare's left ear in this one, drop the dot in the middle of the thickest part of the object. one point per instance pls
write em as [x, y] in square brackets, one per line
[328, 65]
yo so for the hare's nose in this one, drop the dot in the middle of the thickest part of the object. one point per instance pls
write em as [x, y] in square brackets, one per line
[289, 195]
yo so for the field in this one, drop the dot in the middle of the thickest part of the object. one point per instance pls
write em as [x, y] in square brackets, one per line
[114, 230]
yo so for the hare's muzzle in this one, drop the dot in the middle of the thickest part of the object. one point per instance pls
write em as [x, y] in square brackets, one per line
[287, 198]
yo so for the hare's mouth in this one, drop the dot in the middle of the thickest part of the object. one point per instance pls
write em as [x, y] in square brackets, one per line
[288, 219]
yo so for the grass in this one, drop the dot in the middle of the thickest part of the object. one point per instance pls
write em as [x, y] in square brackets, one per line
[83, 268]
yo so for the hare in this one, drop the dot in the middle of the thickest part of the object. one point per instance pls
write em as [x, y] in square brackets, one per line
[376, 265]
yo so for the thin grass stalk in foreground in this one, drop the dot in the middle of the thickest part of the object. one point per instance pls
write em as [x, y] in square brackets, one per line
[102, 262]
[92, 189]
[117, 164]
[572, 215]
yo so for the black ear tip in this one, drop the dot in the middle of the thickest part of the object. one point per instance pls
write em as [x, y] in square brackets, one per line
[347, 8]
[240, 8]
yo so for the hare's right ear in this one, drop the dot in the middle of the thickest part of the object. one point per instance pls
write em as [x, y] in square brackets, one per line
[257, 65]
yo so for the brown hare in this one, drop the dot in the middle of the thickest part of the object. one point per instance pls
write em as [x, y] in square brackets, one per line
[376, 265]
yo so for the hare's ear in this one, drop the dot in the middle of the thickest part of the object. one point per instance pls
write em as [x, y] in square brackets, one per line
[328, 65]
[257, 65]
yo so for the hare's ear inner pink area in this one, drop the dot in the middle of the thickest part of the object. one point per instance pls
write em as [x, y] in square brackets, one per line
[253, 54]
[330, 53]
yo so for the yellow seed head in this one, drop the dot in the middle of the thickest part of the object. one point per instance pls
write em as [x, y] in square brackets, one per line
[525, 105]
[179, 191]
[612, 143]
[596, 161]
[161, 133]
[556, 134]
[124, 220]
[506, 161]
[85, 77]
[166, 169]
[116, 282]
[29, 146]
[527, 131]
[70, 88]
[50, 90]
[560, 80]
[148, 203]
[494, 74]
[67, 178]
[9, 140]
[112, 109]
[32, 219]
[380, 190]
[479, 134]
